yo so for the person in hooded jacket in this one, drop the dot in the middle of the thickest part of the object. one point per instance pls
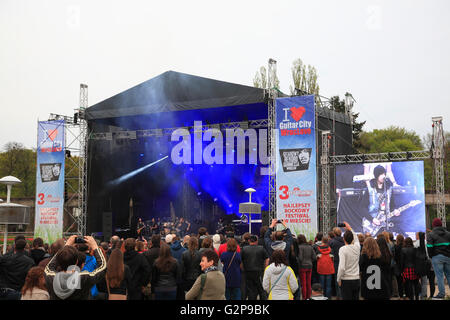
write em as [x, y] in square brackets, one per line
[438, 245]
[190, 264]
[38, 252]
[306, 257]
[282, 240]
[177, 248]
[139, 268]
[62, 269]
[325, 266]
[279, 279]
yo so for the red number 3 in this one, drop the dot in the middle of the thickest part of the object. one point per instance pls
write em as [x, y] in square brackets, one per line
[285, 194]
[41, 198]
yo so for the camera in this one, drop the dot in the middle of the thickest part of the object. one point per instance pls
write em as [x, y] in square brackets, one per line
[79, 240]
[341, 225]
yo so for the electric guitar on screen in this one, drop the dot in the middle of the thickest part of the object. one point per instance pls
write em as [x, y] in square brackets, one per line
[369, 227]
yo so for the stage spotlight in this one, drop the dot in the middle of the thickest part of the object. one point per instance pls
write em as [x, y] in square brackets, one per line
[141, 155]
[199, 193]
[215, 199]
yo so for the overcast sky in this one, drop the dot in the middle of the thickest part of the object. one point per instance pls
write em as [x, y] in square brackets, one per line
[393, 56]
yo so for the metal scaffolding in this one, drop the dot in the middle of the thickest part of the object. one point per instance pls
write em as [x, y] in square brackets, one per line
[325, 202]
[272, 136]
[438, 154]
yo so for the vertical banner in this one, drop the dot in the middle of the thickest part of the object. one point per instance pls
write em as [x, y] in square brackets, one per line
[50, 181]
[296, 164]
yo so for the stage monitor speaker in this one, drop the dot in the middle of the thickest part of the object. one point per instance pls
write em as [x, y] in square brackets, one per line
[107, 226]
[265, 218]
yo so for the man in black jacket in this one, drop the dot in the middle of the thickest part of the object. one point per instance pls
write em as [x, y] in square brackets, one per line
[13, 271]
[283, 239]
[438, 245]
[336, 243]
[63, 278]
[139, 268]
[254, 261]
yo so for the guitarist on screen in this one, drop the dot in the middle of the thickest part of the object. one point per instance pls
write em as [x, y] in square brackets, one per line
[380, 196]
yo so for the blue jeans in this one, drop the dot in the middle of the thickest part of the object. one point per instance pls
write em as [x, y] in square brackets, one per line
[166, 295]
[441, 266]
[325, 282]
[233, 293]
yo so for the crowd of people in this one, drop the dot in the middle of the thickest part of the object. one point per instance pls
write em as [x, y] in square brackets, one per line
[274, 266]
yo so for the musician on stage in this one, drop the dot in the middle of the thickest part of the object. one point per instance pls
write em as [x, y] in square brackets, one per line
[154, 226]
[380, 195]
[140, 229]
[182, 227]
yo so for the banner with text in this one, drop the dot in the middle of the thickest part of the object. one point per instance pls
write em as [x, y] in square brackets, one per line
[48, 223]
[296, 164]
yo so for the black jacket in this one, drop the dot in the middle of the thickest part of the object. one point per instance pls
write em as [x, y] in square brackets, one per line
[374, 293]
[140, 273]
[87, 279]
[151, 255]
[253, 258]
[13, 270]
[438, 242]
[38, 255]
[335, 244]
[166, 280]
[190, 265]
[408, 258]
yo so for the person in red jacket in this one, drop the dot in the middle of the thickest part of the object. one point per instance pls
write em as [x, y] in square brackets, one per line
[325, 266]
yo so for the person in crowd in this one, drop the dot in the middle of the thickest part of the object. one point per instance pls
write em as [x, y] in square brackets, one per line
[166, 275]
[325, 266]
[114, 243]
[410, 277]
[139, 269]
[185, 242]
[216, 242]
[372, 266]
[210, 285]
[62, 266]
[140, 246]
[438, 244]
[207, 243]
[177, 248]
[387, 260]
[294, 264]
[38, 253]
[168, 239]
[306, 257]
[423, 263]
[282, 239]
[89, 263]
[254, 261]
[118, 279]
[335, 244]
[34, 287]
[317, 292]
[202, 234]
[105, 246]
[245, 239]
[190, 264]
[348, 269]
[14, 268]
[231, 261]
[54, 248]
[224, 246]
[262, 233]
[331, 234]
[279, 279]
[390, 243]
[399, 242]
[153, 252]
[315, 245]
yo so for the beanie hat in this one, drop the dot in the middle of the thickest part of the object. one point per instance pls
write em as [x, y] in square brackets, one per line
[436, 223]
[216, 238]
[379, 170]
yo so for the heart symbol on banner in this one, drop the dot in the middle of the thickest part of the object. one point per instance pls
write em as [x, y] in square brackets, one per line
[52, 134]
[297, 113]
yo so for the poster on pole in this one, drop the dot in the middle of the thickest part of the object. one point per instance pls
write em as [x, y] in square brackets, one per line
[296, 164]
[48, 223]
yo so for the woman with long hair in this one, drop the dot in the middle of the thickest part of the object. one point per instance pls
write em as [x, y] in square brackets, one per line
[386, 258]
[307, 257]
[372, 265]
[190, 261]
[166, 275]
[410, 277]
[231, 261]
[399, 240]
[279, 280]
[34, 287]
[117, 277]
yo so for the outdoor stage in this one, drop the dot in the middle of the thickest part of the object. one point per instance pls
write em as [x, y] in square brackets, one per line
[134, 128]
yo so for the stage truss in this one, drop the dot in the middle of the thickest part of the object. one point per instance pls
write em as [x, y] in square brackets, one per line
[75, 179]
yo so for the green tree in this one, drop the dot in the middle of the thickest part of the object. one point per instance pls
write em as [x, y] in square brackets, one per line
[391, 139]
[261, 79]
[338, 105]
[19, 162]
[304, 78]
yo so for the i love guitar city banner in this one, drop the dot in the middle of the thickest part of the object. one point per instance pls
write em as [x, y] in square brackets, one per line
[48, 222]
[296, 164]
